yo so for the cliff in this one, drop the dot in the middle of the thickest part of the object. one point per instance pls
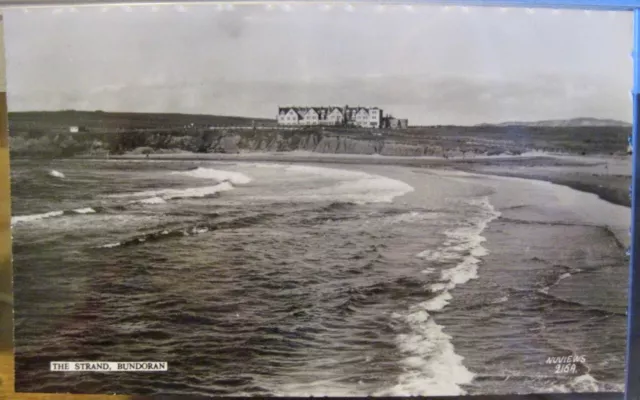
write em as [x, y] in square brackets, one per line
[44, 134]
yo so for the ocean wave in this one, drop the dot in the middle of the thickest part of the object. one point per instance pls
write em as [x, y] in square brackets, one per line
[584, 383]
[35, 217]
[170, 194]
[86, 210]
[433, 367]
[467, 242]
[236, 178]
[411, 217]
[166, 233]
[56, 174]
[500, 300]
[354, 186]
[109, 245]
[20, 219]
[152, 200]
[337, 206]
[428, 271]
[545, 290]
[437, 303]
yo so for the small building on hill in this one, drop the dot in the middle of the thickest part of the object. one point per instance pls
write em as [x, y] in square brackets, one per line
[77, 129]
[390, 122]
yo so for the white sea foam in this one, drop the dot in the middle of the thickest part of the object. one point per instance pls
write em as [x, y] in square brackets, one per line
[469, 240]
[432, 366]
[35, 217]
[152, 200]
[87, 210]
[109, 246]
[545, 290]
[582, 384]
[19, 219]
[437, 303]
[237, 178]
[355, 186]
[265, 165]
[56, 174]
[439, 255]
[502, 299]
[168, 194]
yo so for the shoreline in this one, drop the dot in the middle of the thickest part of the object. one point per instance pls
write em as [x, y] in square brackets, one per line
[610, 187]
[425, 165]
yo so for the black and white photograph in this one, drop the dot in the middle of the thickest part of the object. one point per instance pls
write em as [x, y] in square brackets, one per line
[319, 199]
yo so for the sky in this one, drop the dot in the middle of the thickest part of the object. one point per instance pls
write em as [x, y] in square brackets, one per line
[430, 64]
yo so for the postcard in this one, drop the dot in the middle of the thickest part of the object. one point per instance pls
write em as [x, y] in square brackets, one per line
[328, 200]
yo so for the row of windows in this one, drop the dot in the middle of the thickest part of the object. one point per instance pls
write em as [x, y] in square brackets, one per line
[314, 117]
[307, 121]
[359, 116]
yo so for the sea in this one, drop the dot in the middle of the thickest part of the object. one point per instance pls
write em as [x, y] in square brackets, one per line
[294, 279]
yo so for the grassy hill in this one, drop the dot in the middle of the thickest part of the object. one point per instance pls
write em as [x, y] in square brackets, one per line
[573, 122]
[98, 121]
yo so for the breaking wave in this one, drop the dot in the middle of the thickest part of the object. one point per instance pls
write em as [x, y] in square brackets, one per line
[155, 196]
[235, 178]
[225, 181]
[345, 186]
[545, 290]
[56, 174]
[432, 366]
[35, 217]
[86, 210]
[20, 219]
[584, 383]
[152, 200]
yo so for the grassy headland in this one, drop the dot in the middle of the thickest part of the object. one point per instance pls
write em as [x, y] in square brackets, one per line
[47, 134]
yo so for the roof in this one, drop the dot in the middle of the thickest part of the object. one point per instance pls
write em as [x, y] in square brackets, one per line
[302, 111]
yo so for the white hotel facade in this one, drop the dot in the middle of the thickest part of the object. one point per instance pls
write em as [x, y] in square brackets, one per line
[369, 117]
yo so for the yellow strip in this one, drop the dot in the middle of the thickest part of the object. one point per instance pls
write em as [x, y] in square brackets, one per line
[6, 313]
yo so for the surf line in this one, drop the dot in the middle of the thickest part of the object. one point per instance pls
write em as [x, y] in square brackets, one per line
[432, 366]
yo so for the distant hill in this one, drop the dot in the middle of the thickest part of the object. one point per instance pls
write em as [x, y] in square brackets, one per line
[559, 123]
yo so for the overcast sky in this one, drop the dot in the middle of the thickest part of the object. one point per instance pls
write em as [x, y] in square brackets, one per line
[431, 65]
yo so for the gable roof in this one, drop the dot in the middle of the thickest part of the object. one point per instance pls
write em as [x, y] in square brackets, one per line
[316, 110]
[287, 110]
[350, 111]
